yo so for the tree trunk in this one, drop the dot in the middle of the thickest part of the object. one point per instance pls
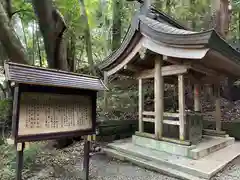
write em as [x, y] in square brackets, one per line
[39, 50]
[62, 59]
[87, 37]
[52, 26]
[221, 16]
[168, 7]
[221, 20]
[71, 48]
[33, 43]
[11, 44]
[192, 9]
[117, 24]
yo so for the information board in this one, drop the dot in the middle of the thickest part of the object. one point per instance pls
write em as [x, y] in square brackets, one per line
[44, 113]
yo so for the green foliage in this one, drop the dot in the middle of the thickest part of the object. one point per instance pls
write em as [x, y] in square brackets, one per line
[5, 109]
[5, 116]
[8, 160]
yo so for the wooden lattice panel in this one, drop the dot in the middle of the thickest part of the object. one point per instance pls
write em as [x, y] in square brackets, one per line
[42, 113]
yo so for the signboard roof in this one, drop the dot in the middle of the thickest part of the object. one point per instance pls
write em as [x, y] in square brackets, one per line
[26, 74]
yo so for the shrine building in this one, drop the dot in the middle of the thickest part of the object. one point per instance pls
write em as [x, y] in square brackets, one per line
[157, 47]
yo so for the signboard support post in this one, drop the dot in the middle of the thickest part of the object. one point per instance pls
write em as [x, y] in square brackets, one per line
[19, 159]
[86, 159]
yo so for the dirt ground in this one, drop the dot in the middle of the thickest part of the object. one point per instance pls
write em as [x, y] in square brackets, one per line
[66, 164]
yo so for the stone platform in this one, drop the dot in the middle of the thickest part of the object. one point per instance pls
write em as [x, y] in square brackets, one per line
[173, 164]
[209, 144]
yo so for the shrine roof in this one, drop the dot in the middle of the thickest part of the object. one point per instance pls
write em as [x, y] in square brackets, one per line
[25, 74]
[160, 28]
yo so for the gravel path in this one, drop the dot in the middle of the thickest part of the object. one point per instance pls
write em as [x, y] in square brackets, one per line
[66, 165]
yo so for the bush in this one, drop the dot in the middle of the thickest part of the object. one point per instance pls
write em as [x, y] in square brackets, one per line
[8, 160]
[5, 115]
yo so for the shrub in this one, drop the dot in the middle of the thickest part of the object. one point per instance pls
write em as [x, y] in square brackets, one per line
[5, 116]
[8, 160]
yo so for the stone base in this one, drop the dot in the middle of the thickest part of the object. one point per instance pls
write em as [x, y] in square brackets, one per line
[209, 144]
[171, 164]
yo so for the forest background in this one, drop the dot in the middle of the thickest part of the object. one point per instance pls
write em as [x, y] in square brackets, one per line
[76, 35]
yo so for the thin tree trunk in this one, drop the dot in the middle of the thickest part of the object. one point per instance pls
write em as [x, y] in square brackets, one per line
[117, 24]
[71, 53]
[168, 7]
[39, 50]
[105, 27]
[11, 44]
[24, 35]
[87, 37]
[192, 9]
[62, 59]
[33, 43]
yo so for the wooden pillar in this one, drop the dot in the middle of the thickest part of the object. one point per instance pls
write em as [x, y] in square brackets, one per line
[86, 159]
[105, 106]
[19, 158]
[197, 105]
[217, 107]
[158, 97]
[181, 105]
[140, 106]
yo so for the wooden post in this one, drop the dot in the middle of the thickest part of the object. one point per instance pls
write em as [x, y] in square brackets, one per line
[217, 107]
[158, 97]
[105, 107]
[140, 106]
[86, 159]
[181, 105]
[197, 105]
[19, 159]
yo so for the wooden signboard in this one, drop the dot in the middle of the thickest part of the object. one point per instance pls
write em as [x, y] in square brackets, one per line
[43, 115]
[51, 104]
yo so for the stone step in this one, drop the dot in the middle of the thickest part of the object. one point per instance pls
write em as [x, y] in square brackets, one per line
[209, 145]
[203, 168]
[158, 157]
[151, 165]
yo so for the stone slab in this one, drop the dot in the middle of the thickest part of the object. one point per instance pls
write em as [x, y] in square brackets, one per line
[203, 168]
[169, 147]
[209, 144]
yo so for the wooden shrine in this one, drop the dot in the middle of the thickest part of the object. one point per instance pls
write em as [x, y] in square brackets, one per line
[159, 48]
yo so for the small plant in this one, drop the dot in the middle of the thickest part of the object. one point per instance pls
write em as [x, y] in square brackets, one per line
[5, 117]
[8, 160]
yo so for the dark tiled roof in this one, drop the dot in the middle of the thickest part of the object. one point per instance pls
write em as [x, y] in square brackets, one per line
[162, 28]
[25, 74]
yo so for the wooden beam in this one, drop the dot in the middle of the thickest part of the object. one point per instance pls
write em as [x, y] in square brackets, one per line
[148, 120]
[149, 73]
[181, 105]
[166, 114]
[196, 67]
[140, 106]
[203, 70]
[197, 105]
[158, 97]
[133, 68]
[126, 60]
[217, 107]
[166, 71]
[171, 122]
